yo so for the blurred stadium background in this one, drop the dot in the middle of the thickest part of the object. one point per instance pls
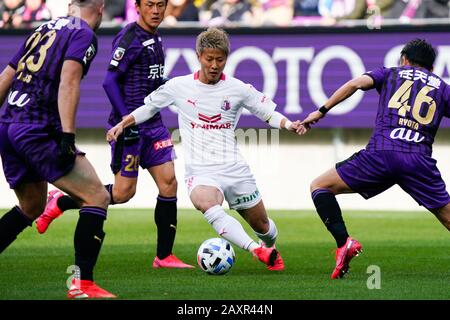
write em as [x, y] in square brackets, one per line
[297, 52]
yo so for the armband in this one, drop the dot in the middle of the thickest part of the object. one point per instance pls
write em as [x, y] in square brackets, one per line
[323, 110]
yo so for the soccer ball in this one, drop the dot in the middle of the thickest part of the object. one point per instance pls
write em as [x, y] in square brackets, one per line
[215, 256]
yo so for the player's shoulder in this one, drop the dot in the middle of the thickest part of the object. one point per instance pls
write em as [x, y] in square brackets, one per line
[236, 83]
[181, 81]
[240, 87]
[127, 37]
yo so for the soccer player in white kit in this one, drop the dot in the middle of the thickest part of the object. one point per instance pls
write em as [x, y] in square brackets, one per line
[209, 106]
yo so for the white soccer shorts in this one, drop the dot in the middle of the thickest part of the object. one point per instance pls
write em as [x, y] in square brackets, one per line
[235, 181]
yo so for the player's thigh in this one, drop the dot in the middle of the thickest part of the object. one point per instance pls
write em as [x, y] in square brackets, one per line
[365, 172]
[239, 186]
[256, 217]
[422, 180]
[443, 215]
[165, 179]
[330, 180]
[83, 183]
[204, 197]
[32, 198]
[125, 157]
[157, 152]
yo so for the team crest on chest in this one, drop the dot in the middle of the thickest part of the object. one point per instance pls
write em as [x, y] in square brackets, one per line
[119, 53]
[226, 105]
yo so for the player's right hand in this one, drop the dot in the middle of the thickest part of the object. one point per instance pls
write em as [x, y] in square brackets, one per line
[66, 149]
[311, 119]
[114, 133]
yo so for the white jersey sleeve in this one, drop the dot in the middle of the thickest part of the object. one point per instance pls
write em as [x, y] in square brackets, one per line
[154, 102]
[258, 104]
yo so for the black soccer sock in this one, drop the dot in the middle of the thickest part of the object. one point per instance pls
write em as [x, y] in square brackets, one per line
[166, 222]
[88, 240]
[11, 224]
[109, 188]
[329, 211]
[65, 203]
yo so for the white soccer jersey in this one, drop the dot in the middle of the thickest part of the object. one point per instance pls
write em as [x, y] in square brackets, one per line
[207, 117]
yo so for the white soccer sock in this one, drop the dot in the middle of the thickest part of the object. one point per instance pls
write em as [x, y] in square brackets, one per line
[229, 228]
[270, 237]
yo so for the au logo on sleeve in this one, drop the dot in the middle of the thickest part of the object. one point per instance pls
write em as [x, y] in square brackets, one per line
[90, 53]
[119, 53]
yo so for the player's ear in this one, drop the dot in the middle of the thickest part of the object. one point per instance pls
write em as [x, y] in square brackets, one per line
[138, 8]
[404, 61]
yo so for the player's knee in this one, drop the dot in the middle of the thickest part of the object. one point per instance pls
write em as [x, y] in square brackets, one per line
[315, 184]
[102, 198]
[124, 194]
[34, 210]
[204, 205]
[168, 188]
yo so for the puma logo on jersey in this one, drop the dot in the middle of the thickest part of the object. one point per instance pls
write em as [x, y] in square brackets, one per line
[193, 102]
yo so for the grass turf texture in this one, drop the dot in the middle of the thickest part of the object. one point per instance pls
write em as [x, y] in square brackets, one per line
[411, 249]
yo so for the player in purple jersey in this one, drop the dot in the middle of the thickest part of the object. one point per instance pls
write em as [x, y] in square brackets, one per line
[136, 69]
[37, 135]
[412, 102]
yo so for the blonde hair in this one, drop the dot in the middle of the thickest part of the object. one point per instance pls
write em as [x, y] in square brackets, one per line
[213, 38]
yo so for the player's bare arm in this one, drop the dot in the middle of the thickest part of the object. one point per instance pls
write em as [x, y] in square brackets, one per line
[6, 79]
[363, 82]
[69, 94]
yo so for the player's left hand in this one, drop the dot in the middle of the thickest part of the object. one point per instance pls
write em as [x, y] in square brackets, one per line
[66, 149]
[114, 133]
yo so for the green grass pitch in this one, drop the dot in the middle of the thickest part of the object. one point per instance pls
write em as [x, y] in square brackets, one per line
[412, 251]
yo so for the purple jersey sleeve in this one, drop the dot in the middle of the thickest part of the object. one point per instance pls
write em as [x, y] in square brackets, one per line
[82, 48]
[447, 101]
[123, 58]
[378, 75]
[15, 60]
[112, 89]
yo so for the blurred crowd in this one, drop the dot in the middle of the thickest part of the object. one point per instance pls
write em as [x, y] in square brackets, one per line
[27, 13]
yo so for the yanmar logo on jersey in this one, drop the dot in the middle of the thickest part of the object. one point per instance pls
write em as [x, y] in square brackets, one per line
[211, 123]
[212, 119]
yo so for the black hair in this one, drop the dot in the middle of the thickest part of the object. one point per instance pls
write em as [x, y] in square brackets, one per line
[138, 2]
[419, 52]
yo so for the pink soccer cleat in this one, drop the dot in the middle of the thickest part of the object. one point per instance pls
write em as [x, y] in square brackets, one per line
[170, 261]
[85, 289]
[344, 254]
[278, 264]
[51, 211]
[270, 257]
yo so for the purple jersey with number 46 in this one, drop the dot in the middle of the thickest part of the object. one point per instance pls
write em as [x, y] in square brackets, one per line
[412, 103]
[33, 97]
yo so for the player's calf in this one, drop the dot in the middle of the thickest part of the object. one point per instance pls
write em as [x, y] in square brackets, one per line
[11, 225]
